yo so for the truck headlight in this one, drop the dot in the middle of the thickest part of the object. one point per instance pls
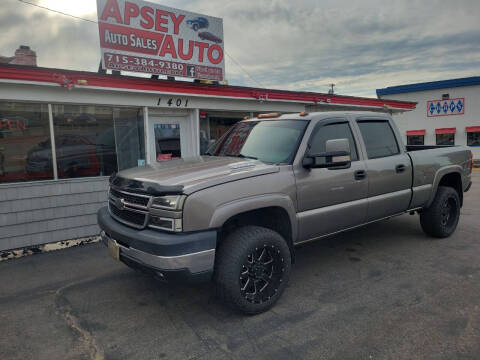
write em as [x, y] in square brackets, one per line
[169, 202]
[168, 224]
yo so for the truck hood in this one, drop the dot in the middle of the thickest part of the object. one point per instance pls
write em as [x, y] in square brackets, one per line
[190, 174]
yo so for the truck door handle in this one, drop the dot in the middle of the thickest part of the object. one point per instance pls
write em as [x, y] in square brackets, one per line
[400, 168]
[360, 174]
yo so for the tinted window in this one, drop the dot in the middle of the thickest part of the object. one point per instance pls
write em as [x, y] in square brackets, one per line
[330, 132]
[445, 139]
[272, 141]
[25, 146]
[473, 139]
[378, 138]
[415, 140]
[87, 140]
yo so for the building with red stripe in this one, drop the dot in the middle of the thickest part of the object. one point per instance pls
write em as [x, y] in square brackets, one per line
[446, 113]
[63, 132]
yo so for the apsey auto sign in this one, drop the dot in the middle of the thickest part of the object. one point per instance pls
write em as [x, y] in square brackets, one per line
[144, 37]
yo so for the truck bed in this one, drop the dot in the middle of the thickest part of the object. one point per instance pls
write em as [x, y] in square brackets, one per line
[426, 147]
[430, 163]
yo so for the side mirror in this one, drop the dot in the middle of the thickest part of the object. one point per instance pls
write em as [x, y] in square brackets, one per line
[336, 156]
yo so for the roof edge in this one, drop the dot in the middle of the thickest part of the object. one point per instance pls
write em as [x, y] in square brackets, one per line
[431, 85]
[65, 77]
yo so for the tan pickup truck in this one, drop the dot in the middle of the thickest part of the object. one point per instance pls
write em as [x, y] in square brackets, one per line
[269, 184]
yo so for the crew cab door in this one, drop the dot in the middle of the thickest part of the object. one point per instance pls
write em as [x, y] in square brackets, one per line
[330, 199]
[389, 168]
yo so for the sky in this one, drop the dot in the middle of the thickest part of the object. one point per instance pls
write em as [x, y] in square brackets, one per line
[283, 44]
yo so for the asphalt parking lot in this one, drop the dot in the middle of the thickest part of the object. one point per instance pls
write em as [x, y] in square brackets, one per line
[385, 291]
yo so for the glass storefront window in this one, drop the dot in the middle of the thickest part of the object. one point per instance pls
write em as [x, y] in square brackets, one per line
[129, 137]
[89, 140]
[97, 140]
[84, 140]
[25, 148]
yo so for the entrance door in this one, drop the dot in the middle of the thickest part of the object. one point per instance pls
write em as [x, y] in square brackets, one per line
[168, 139]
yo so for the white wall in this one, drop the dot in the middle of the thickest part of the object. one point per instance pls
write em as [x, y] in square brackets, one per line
[417, 119]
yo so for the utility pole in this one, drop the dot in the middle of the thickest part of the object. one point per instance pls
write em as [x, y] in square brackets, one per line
[330, 91]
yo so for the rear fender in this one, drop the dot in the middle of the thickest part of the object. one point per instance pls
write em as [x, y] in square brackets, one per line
[438, 177]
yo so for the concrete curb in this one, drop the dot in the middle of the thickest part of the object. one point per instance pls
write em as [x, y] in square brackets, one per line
[38, 249]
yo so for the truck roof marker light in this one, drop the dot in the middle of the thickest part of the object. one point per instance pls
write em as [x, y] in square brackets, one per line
[303, 113]
[269, 115]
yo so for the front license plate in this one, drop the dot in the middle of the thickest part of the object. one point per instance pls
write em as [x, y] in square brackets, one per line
[114, 249]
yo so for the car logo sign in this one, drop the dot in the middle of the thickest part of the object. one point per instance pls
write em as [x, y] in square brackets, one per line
[120, 203]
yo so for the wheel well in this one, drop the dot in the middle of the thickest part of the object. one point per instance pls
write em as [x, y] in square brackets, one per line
[274, 218]
[453, 180]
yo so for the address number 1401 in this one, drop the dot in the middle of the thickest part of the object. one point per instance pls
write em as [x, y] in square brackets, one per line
[172, 102]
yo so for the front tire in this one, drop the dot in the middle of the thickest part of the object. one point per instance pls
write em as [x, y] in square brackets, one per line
[252, 269]
[441, 218]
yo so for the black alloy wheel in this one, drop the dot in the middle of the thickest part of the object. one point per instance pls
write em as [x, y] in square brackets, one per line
[252, 268]
[441, 218]
[261, 274]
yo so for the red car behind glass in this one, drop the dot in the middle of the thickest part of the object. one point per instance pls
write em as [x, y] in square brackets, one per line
[205, 35]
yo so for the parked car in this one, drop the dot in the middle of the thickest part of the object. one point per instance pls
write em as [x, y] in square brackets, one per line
[205, 35]
[77, 155]
[198, 22]
[270, 184]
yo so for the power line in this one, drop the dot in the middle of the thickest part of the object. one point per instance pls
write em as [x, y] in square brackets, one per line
[241, 67]
[58, 12]
[96, 22]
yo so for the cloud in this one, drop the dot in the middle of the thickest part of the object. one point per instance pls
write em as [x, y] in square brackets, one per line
[301, 45]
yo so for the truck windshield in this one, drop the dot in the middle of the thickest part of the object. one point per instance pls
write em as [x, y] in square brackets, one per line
[271, 141]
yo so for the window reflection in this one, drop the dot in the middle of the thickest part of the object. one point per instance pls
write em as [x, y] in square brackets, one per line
[167, 141]
[84, 140]
[24, 142]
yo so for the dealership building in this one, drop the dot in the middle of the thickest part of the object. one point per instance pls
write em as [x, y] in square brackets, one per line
[447, 112]
[62, 133]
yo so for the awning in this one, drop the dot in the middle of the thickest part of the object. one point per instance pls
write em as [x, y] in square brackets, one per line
[472, 129]
[446, 131]
[416, 132]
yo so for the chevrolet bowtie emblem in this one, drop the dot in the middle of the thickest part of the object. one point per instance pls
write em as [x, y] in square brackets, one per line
[120, 203]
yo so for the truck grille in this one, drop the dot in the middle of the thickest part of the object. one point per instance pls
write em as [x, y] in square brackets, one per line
[129, 217]
[130, 198]
[130, 209]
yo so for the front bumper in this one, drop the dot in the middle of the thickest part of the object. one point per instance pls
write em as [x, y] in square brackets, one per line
[172, 257]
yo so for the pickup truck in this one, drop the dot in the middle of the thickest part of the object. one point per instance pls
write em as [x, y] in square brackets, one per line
[269, 184]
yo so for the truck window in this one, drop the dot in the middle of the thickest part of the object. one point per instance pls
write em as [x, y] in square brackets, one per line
[330, 132]
[379, 138]
[271, 141]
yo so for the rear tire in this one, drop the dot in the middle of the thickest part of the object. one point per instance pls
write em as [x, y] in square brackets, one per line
[252, 268]
[441, 218]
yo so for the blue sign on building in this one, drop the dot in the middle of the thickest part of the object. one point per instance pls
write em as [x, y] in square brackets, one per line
[446, 107]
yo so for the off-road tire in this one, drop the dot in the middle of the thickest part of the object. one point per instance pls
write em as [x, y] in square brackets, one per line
[242, 252]
[441, 218]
